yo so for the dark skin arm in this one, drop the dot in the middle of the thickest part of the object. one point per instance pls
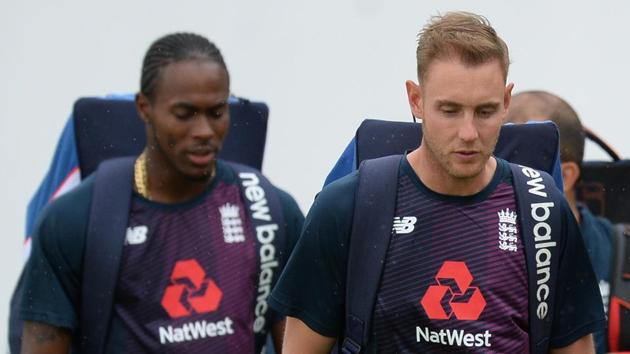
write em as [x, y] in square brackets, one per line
[583, 345]
[277, 335]
[301, 339]
[41, 338]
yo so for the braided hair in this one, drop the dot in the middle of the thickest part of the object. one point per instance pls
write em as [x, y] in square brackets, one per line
[173, 48]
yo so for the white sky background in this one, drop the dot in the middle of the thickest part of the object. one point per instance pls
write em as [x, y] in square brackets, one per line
[322, 66]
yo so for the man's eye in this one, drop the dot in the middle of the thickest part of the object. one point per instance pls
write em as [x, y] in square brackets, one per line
[449, 111]
[217, 114]
[184, 115]
[487, 113]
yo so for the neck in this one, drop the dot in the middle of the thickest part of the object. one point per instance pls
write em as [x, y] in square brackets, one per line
[166, 184]
[431, 173]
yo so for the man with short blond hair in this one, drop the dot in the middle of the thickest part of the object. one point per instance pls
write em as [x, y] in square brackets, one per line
[455, 276]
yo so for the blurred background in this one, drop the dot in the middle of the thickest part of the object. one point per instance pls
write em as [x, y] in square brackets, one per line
[321, 66]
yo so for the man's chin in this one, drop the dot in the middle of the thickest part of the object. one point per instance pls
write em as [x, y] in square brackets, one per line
[199, 175]
[466, 171]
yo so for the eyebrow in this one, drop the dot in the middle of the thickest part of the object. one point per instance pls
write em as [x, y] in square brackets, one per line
[489, 105]
[447, 103]
[192, 107]
[455, 104]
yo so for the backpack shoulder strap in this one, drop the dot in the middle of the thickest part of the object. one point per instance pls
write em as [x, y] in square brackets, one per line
[375, 204]
[538, 201]
[265, 213]
[109, 213]
[619, 304]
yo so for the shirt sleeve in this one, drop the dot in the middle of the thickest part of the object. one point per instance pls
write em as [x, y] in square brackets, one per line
[293, 218]
[312, 286]
[293, 221]
[578, 305]
[52, 277]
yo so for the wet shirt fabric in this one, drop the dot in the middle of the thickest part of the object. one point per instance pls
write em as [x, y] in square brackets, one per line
[454, 278]
[188, 279]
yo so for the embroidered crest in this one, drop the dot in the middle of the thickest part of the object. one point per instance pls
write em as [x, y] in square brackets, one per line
[507, 230]
[232, 223]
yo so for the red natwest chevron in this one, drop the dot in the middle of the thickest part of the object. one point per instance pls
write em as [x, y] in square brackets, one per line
[180, 298]
[457, 272]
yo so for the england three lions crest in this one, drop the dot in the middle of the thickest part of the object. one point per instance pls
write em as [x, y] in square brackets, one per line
[232, 223]
[508, 230]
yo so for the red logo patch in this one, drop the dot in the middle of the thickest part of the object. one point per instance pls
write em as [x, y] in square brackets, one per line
[453, 294]
[190, 291]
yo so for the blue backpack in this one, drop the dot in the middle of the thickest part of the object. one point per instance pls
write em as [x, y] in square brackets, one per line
[112, 128]
[376, 138]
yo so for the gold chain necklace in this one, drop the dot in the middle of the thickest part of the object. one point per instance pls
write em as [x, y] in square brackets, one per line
[140, 176]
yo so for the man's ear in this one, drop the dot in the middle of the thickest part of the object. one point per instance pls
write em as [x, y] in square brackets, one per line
[507, 96]
[570, 175]
[414, 95]
[143, 106]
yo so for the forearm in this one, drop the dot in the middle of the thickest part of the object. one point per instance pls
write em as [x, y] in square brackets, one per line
[300, 339]
[41, 338]
[277, 334]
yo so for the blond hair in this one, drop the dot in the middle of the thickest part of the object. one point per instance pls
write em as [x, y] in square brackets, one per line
[464, 35]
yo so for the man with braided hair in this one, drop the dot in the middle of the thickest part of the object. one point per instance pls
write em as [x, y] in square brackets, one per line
[189, 269]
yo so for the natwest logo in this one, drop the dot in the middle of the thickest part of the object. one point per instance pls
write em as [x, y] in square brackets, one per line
[453, 294]
[190, 291]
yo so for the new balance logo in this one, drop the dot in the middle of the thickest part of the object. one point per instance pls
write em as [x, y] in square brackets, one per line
[231, 223]
[265, 235]
[404, 225]
[136, 235]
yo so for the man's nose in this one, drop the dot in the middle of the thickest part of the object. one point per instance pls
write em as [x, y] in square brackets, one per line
[468, 130]
[203, 128]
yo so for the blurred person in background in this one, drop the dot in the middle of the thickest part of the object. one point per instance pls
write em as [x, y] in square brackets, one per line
[597, 232]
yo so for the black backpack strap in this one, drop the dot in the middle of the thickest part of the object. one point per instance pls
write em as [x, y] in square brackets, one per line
[375, 205]
[538, 201]
[625, 266]
[109, 213]
[265, 213]
[619, 304]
